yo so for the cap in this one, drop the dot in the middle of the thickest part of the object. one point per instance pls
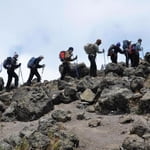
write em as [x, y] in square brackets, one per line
[140, 40]
[70, 48]
[15, 54]
[118, 44]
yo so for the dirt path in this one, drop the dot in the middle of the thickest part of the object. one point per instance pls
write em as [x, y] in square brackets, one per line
[110, 134]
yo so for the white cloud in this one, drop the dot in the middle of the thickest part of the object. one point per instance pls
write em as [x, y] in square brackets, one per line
[35, 27]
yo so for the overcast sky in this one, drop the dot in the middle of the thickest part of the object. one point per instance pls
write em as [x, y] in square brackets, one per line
[45, 27]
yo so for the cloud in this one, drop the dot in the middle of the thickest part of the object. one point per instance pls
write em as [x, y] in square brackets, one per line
[35, 27]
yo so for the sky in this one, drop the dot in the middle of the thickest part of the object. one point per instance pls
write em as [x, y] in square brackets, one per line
[45, 27]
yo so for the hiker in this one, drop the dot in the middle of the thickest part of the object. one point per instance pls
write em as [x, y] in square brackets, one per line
[92, 50]
[134, 53]
[126, 48]
[66, 57]
[113, 52]
[138, 49]
[33, 65]
[11, 64]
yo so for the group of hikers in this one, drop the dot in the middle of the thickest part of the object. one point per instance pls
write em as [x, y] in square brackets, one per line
[129, 49]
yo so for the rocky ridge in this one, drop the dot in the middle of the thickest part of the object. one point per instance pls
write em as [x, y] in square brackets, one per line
[116, 90]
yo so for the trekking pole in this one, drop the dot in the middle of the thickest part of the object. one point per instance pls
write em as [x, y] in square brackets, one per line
[42, 72]
[21, 75]
[143, 52]
[1, 67]
[104, 59]
[76, 69]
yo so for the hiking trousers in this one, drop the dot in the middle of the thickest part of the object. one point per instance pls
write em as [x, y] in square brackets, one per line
[65, 70]
[33, 71]
[114, 58]
[11, 73]
[93, 66]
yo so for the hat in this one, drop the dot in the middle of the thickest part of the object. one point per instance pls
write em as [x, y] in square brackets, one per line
[140, 40]
[118, 44]
[15, 54]
[70, 48]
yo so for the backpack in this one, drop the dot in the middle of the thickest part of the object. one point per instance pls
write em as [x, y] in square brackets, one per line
[132, 49]
[125, 44]
[90, 48]
[7, 62]
[62, 55]
[111, 50]
[31, 62]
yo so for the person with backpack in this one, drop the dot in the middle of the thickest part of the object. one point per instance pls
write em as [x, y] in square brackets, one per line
[11, 64]
[66, 57]
[126, 48]
[113, 52]
[92, 50]
[134, 53]
[138, 48]
[33, 65]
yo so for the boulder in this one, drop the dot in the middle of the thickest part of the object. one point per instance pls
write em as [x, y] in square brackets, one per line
[1, 84]
[133, 142]
[114, 99]
[144, 104]
[61, 115]
[29, 103]
[115, 68]
[87, 96]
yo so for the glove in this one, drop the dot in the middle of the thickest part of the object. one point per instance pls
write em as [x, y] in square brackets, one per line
[76, 57]
[103, 51]
[19, 64]
[43, 65]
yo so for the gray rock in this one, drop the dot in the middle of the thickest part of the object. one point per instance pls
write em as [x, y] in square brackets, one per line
[144, 104]
[94, 123]
[126, 119]
[39, 141]
[61, 115]
[87, 96]
[140, 127]
[5, 146]
[29, 103]
[115, 68]
[81, 116]
[1, 84]
[114, 99]
[147, 57]
[137, 83]
[133, 142]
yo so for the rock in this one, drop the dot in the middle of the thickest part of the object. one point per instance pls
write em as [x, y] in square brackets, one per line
[137, 83]
[94, 123]
[87, 96]
[147, 57]
[81, 116]
[115, 68]
[114, 99]
[61, 116]
[6, 97]
[39, 141]
[126, 119]
[90, 109]
[76, 70]
[133, 142]
[29, 103]
[144, 104]
[1, 84]
[140, 127]
[2, 107]
[5, 146]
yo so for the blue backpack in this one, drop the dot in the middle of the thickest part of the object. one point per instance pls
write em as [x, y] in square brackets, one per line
[7, 63]
[31, 62]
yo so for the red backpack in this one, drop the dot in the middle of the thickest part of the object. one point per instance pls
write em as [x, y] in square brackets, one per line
[62, 55]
